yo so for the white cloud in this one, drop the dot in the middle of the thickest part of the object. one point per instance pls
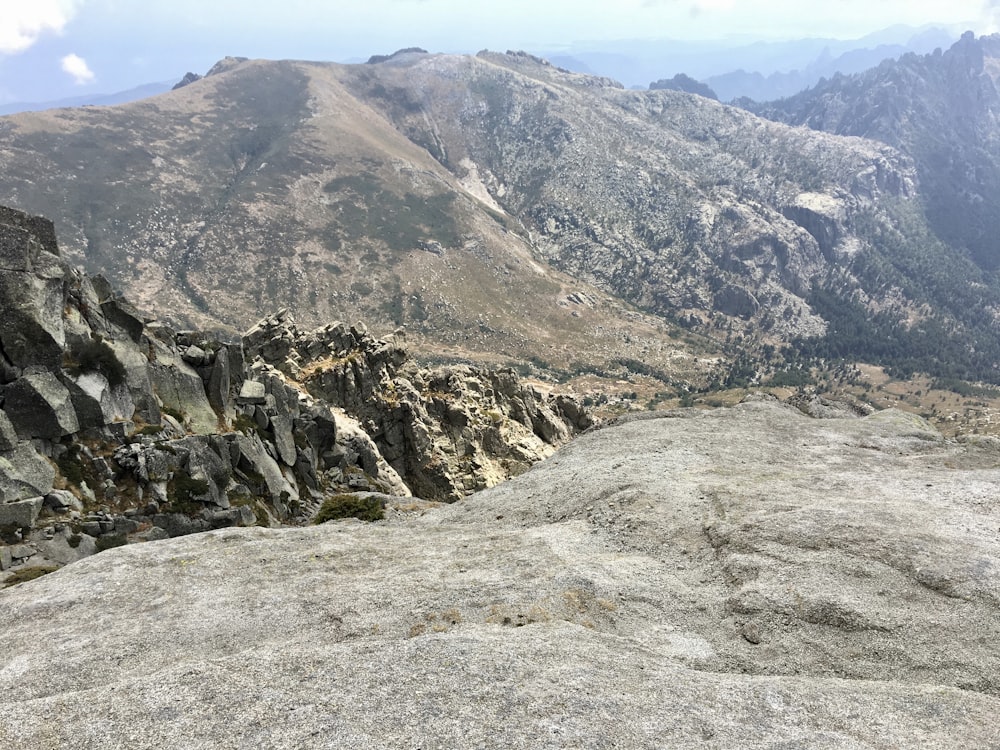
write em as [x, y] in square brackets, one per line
[26, 20]
[77, 67]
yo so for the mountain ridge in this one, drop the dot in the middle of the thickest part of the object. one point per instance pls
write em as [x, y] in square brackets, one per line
[498, 207]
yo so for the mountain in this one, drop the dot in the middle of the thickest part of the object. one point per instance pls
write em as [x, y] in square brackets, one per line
[942, 110]
[504, 209]
[736, 63]
[89, 100]
[787, 81]
[276, 183]
[746, 577]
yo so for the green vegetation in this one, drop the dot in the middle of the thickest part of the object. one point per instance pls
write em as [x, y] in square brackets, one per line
[108, 541]
[365, 209]
[246, 425]
[183, 491]
[71, 466]
[936, 346]
[23, 575]
[962, 388]
[96, 356]
[171, 412]
[350, 506]
[790, 378]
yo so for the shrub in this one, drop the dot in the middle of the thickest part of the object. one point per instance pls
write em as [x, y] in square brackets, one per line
[171, 412]
[110, 540]
[183, 490]
[97, 356]
[71, 466]
[29, 574]
[350, 506]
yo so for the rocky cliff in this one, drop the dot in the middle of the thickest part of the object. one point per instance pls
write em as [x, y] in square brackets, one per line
[747, 577]
[114, 428]
[941, 109]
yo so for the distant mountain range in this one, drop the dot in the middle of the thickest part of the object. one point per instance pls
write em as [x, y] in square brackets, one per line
[734, 67]
[504, 209]
[120, 97]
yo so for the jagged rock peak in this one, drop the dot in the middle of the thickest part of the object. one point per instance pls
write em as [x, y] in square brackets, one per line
[188, 79]
[446, 431]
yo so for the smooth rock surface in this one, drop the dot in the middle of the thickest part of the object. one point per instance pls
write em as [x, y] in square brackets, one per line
[748, 577]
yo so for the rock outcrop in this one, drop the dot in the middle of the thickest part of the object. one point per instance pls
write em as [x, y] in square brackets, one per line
[747, 577]
[446, 431]
[116, 429]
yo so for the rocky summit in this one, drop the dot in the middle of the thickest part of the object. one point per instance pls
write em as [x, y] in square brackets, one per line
[746, 577]
[116, 429]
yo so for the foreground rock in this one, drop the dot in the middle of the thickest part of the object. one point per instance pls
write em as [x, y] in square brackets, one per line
[748, 577]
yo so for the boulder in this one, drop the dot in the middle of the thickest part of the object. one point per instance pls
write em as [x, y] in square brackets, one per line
[20, 514]
[124, 316]
[24, 474]
[219, 381]
[284, 440]
[39, 406]
[31, 324]
[251, 459]
[60, 501]
[8, 435]
[66, 548]
[180, 388]
[252, 392]
[41, 229]
[96, 402]
[16, 249]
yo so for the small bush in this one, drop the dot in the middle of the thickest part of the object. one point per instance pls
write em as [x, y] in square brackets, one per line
[110, 540]
[97, 356]
[246, 425]
[350, 506]
[171, 412]
[71, 466]
[29, 574]
[182, 491]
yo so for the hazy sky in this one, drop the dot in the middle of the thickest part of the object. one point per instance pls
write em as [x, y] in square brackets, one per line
[97, 45]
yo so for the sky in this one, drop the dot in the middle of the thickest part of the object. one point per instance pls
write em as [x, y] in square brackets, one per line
[53, 48]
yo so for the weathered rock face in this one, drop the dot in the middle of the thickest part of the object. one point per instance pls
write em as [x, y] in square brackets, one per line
[941, 109]
[446, 431]
[746, 577]
[124, 430]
